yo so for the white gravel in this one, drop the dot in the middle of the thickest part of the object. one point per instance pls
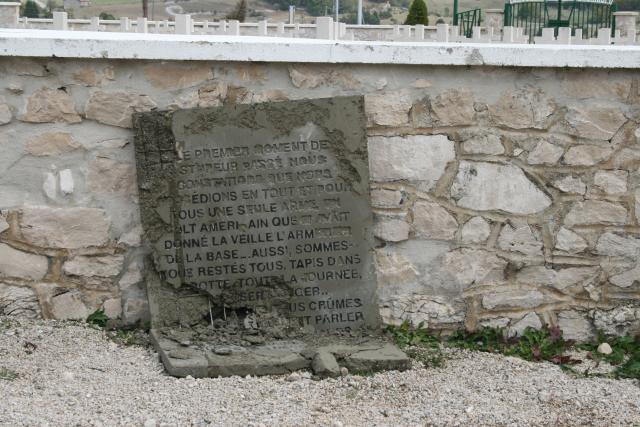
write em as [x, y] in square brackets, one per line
[77, 376]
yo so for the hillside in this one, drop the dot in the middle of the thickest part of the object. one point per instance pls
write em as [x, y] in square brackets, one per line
[394, 12]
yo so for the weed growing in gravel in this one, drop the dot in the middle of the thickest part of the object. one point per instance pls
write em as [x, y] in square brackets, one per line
[419, 344]
[625, 354]
[98, 318]
[7, 374]
[546, 344]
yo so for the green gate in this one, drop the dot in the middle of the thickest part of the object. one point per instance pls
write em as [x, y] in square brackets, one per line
[467, 20]
[532, 16]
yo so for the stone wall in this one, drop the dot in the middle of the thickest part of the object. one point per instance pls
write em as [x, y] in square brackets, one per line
[502, 196]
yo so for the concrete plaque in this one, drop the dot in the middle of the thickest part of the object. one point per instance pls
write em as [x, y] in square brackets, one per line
[259, 215]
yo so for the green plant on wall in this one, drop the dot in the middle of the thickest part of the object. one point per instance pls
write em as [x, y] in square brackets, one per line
[418, 13]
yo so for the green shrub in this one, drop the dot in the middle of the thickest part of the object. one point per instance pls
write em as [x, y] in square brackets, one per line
[418, 13]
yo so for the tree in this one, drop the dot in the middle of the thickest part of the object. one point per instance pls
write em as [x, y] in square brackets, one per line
[418, 13]
[31, 9]
[107, 16]
[240, 11]
[145, 8]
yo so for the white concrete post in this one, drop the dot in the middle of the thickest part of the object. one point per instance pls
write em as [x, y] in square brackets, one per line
[476, 34]
[141, 25]
[494, 18]
[508, 34]
[183, 24]
[442, 33]
[60, 21]
[262, 28]
[626, 23]
[419, 32]
[324, 27]
[9, 14]
[604, 36]
[292, 14]
[234, 27]
[280, 29]
[564, 35]
[125, 25]
[95, 24]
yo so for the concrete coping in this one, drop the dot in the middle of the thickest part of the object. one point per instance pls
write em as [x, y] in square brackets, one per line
[116, 45]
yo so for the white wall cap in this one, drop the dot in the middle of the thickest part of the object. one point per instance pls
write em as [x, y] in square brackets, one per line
[117, 45]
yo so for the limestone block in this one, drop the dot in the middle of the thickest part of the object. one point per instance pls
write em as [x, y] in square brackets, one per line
[561, 278]
[453, 107]
[523, 108]
[174, 75]
[15, 263]
[432, 221]
[4, 225]
[394, 271]
[116, 108]
[575, 325]
[610, 244]
[627, 278]
[90, 266]
[595, 120]
[131, 277]
[431, 311]
[488, 186]
[112, 308]
[618, 321]
[5, 112]
[87, 76]
[132, 237]
[486, 144]
[135, 310]
[568, 241]
[270, 95]
[531, 320]
[611, 182]
[387, 109]
[545, 153]
[51, 144]
[70, 228]
[311, 76]
[386, 199]
[596, 212]
[108, 176]
[570, 184]
[626, 157]
[584, 84]
[391, 228]
[412, 158]
[50, 106]
[18, 301]
[586, 155]
[420, 114]
[473, 266]
[512, 298]
[637, 205]
[69, 306]
[212, 94]
[497, 322]
[519, 238]
[476, 230]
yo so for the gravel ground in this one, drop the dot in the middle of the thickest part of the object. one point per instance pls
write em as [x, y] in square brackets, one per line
[78, 376]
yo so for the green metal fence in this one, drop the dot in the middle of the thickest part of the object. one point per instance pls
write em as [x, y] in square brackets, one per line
[467, 20]
[533, 16]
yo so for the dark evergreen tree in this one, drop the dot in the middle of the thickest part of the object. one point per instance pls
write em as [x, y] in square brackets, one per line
[418, 13]
[31, 9]
[240, 11]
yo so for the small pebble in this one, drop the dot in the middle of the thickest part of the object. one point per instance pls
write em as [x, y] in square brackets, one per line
[294, 376]
[605, 348]
[344, 371]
